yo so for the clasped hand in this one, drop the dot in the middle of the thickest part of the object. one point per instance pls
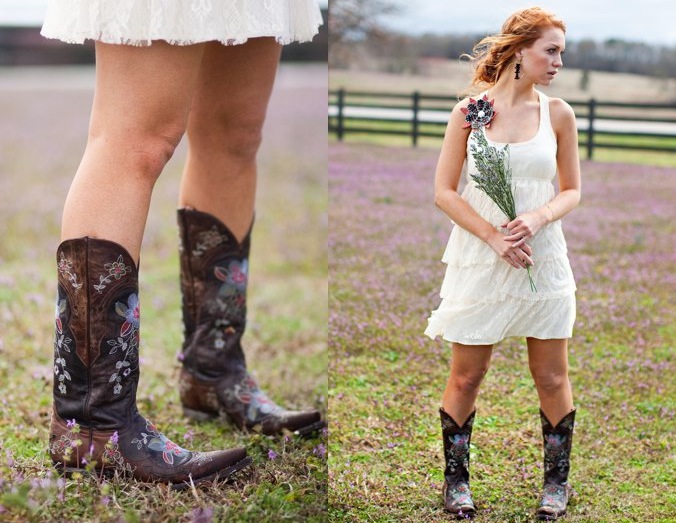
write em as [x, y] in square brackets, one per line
[512, 246]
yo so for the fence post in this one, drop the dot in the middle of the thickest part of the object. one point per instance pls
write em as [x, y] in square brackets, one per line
[340, 129]
[590, 129]
[414, 121]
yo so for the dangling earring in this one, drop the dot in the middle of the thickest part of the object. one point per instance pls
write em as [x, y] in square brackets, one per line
[517, 70]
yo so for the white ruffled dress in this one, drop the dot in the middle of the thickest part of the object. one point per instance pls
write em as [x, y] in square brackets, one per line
[181, 22]
[484, 299]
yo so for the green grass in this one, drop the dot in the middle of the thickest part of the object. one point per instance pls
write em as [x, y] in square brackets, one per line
[285, 340]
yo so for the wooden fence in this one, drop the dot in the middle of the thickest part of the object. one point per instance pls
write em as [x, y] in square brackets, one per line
[610, 125]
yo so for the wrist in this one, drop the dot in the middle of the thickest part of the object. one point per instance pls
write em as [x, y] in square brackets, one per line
[548, 213]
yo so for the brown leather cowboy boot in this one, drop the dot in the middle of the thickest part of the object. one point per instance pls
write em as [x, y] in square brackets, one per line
[214, 380]
[456, 493]
[557, 442]
[96, 369]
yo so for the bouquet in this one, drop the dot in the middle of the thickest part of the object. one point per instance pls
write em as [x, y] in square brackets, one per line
[495, 177]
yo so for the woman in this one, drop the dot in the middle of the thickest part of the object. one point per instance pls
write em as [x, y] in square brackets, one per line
[162, 69]
[485, 295]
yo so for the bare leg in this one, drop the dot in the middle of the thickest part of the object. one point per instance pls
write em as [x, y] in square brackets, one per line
[548, 361]
[140, 111]
[224, 130]
[469, 364]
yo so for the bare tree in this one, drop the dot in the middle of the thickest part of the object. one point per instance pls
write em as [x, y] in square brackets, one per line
[356, 21]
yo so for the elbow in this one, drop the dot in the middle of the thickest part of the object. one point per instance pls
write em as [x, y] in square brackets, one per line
[438, 198]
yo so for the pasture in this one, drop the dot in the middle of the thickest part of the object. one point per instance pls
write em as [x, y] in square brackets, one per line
[385, 380]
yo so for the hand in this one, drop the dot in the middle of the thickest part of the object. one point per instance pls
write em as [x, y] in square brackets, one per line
[524, 227]
[518, 256]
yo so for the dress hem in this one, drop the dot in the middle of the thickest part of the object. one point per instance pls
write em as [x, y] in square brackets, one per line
[146, 42]
[470, 343]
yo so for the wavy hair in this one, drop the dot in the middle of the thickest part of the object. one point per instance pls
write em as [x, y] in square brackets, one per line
[494, 53]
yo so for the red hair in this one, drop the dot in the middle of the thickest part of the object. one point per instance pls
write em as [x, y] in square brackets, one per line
[492, 54]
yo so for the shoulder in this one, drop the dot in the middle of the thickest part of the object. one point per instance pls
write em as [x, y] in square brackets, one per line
[460, 111]
[561, 112]
[460, 108]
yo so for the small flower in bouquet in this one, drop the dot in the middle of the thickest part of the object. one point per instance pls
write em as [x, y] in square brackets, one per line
[495, 177]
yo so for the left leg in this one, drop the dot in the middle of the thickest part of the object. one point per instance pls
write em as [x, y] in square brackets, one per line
[548, 361]
[217, 196]
[224, 130]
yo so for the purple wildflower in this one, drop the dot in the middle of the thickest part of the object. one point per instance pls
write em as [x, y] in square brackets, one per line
[272, 454]
[202, 515]
[114, 438]
[320, 451]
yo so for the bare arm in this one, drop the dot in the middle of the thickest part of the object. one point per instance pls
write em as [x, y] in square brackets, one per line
[446, 197]
[526, 225]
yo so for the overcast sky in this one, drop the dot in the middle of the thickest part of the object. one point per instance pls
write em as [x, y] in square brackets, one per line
[652, 21]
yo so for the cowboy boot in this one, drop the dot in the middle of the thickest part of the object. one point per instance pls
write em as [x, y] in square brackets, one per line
[214, 380]
[456, 492]
[96, 368]
[557, 445]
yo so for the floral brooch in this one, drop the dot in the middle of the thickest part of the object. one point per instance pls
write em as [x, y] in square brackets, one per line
[478, 113]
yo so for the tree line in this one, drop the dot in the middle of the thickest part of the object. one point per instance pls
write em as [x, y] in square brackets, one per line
[358, 38]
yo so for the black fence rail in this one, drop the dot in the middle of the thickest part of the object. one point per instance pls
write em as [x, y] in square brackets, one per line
[607, 125]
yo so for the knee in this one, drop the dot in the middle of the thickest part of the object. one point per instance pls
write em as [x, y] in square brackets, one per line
[238, 138]
[469, 381]
[139, 153]
[549, 380]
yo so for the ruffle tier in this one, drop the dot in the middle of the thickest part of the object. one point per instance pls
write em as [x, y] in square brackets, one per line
[484, 299]
[230, 22]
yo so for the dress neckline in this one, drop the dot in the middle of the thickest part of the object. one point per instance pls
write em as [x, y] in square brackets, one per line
[542, 103]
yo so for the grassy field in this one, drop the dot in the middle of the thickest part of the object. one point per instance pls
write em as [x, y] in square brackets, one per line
[386, 378]
[42, 135]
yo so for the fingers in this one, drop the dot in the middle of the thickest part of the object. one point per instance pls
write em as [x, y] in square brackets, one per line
[519, 258]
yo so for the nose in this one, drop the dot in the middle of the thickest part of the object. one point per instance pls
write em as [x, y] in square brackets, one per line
[558, 62]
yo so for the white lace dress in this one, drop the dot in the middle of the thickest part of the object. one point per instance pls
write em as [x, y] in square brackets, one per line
[181, 22]
[484, 299]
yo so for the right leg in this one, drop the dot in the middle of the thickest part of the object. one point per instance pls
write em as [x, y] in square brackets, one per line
[468, 367]
[140, 109]
[141, 105]
[469, 364]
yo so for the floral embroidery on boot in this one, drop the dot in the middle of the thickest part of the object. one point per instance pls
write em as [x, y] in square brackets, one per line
[61, 342]
[557, 447]
[127, 342]
[456, 492]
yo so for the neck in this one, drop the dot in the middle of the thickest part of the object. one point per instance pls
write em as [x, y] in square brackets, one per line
[511, 92]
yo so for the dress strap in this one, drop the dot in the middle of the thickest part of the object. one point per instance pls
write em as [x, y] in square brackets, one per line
[545, 120]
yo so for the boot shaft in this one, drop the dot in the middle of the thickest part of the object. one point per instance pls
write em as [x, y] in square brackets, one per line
[456, 447]
[558, 441]
[214, 277]
[96, 333]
